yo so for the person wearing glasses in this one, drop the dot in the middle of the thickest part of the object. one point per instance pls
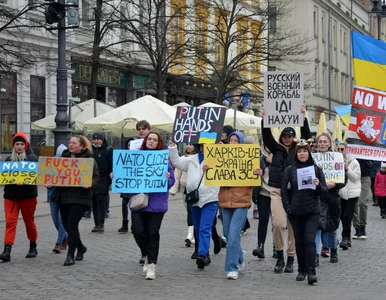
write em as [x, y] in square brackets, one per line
[330, 210]
[349, 195]
[302, 205]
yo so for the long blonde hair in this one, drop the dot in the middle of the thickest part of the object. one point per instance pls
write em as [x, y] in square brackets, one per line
[328, 136]
[18, 157]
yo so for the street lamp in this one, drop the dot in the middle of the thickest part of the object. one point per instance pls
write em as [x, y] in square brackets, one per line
[380, 12]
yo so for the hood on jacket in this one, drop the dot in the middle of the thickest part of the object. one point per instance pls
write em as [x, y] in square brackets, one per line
[240, 137]
[60, 150]
[20, 137]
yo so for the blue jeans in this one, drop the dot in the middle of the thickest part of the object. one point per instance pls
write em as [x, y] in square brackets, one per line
[233, 221]
[56, 218]
[328, 239]
[203, 221]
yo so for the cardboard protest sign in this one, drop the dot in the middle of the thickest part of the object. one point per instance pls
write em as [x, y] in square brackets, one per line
[332, 164]
[140, 171]
[232, 165]
[198, 124]
[283, 99]
[22, 172]
[63, 171]
[367, 129]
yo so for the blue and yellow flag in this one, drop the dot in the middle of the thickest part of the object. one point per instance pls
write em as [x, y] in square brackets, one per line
[369, 61]
[344, 112]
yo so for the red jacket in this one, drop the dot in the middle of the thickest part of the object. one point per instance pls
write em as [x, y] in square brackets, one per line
[380, 184]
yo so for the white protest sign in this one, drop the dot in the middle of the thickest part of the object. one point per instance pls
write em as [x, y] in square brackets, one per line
[283, 99]
[306, 178]
[136, 144]
[332, 164]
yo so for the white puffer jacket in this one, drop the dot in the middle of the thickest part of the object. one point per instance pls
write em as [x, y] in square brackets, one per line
[193, 169]
[353, 186]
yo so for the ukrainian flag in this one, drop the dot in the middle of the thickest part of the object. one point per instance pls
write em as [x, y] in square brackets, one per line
[344, 112]
[207, 137]
[369, 61]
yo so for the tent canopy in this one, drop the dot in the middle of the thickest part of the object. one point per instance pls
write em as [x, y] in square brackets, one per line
[80, 113]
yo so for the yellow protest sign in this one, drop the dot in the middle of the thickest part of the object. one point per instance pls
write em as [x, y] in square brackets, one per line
[62, 171]
[232, 165]
[18, 172]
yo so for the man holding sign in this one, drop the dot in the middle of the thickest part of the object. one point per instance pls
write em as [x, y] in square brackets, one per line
[20, 197]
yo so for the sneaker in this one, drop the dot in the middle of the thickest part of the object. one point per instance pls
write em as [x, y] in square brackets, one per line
[150, 273]
[357, 233]
[223, 242]
[145, 266]
[325, 252]
[233, 275]
[363, 234]
[241, 266]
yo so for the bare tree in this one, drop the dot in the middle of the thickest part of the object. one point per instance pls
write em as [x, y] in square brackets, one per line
[16, 23]
[237, 40]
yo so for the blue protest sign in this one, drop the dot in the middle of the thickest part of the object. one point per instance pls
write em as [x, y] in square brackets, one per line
[140, 171]
[22, 172]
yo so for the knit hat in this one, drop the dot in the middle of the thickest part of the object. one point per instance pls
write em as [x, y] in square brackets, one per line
[98, 136]
[383, 164]
[249, 139]
[302, 144]
[228, 129]
[20, 137]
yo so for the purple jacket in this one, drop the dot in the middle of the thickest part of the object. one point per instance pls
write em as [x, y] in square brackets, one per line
[158, 202]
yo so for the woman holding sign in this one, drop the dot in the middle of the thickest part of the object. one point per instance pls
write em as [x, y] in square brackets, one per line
[75, 201]
[302, 184]
[20, 197]
[146, 222]
[205, 209]
[330, 209]
[234, 203]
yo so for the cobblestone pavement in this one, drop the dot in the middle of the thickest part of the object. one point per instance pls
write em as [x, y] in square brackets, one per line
[110, 269]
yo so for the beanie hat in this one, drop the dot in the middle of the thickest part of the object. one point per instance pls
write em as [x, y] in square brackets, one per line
[20, 137]
[228, 129]
[383, 164]
[288, 131]
[98, 135]
[249, 139]
[302, 144]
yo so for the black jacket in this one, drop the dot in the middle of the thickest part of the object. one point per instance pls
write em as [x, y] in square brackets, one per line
[366, 166]
[281, 157]
[103, 157]
[301, 202]
[76, 195]
[330, 208]
[20, 192]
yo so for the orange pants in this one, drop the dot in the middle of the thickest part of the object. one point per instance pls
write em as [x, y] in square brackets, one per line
[27, 208]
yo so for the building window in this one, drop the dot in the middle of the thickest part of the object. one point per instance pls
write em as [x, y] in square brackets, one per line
[334, 35]
[86, 12]
[8, 109]
[344, 42]
[177, 28]
[316, 21]
[117, 97]
[342, 95]
[80, 91]
[272, 19]
[38, 106]
[323, 27]
[317, 79]
[324, 78]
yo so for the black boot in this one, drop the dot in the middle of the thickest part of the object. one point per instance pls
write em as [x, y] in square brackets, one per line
[289, 268]
[312, 276]
[259, 251]
[6, 255]
[344, 243]
[69, 260]
[125, 227]
[98, 228]
[334, 256]
[81, 251]
[194, 255]
[301, 275]
[317, 260]
[87, 214]
[32, 252]
[280, 264]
